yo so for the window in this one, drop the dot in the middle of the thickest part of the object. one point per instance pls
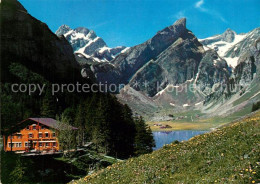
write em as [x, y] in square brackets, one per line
[19, 136]
[53, 134]
[40, 135]
[40, 144]
[27, 144]
[46, 134]
[46, 144]
[28, 127]
[30, 135]
[54, 144]
[9, 145]
[34, 127]
[18, 144]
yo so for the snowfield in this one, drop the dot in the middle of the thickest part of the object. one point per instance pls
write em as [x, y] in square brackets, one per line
[222, 47]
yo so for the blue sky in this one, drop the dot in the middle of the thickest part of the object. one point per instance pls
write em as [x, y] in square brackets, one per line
[131, 22]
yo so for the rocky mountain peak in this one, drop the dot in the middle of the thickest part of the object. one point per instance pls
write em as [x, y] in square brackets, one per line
[62, 30]
[86, 43]
[180, 22]
[83, 30]
[229, 35]
[178, 26]
[92, 34]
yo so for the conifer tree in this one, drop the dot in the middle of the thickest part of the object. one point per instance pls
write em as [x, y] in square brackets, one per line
[144, 141]
[48, 105]
[80, 123]
[101, 131]
[90, 110]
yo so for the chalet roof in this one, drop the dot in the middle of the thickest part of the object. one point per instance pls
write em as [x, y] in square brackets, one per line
[48, 122]
[52, 123]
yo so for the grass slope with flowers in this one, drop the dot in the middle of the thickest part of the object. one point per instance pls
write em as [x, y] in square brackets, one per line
[229, 154]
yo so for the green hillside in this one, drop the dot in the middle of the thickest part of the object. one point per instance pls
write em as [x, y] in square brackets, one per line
[227, 155]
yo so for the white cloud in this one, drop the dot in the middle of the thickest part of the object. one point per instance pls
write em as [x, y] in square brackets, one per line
[200, 6]
[199, 3]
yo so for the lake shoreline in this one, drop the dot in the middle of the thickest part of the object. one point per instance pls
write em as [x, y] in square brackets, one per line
[172, 129]
[166, 137]
[176, 126]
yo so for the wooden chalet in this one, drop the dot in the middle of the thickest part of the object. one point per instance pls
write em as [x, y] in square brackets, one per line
[34, 135]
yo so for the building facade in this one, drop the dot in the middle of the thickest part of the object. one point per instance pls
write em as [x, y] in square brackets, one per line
[38, 135]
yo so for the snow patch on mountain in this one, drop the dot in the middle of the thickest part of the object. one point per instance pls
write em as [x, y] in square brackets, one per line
[223, 43]
[196, 104]
[185, 105]
[81, 50]
[127, 48]
[232, 61]
[172, 104]
[168, 88]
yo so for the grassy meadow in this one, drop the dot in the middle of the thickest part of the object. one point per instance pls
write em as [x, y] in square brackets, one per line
[230, 154]
[190, 122]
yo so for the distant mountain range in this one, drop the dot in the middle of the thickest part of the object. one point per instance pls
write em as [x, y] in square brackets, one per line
[223, 68]
[87, 44]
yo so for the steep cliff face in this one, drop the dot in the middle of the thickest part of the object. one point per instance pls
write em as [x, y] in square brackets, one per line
[31, 55]
[246, 53]
[139, 55]
[213, 73]
[171, 56]
[248, 65]
[175, 65]
[247, 69]
[30, 42]
[241, 90]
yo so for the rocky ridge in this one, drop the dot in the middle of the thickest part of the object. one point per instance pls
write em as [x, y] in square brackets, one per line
[86, 44]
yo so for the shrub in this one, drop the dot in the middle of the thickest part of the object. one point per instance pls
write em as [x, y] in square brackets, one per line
[256, 106]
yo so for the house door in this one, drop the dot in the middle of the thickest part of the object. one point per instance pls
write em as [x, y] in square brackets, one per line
[32, 145]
